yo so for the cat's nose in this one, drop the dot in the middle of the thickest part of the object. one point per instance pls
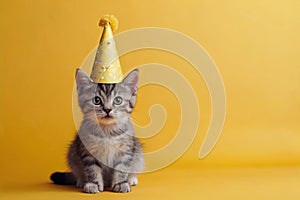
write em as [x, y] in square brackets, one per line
[107, 110]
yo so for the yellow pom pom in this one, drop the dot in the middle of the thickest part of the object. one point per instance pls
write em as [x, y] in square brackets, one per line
[112, 20]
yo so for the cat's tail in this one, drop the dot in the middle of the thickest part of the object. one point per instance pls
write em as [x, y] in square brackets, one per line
[63, 178]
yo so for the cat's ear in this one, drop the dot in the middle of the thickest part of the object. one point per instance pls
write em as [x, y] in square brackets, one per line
[82, 79]
[131, 80]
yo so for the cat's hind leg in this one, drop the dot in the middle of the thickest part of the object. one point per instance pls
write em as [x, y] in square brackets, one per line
[132, 180]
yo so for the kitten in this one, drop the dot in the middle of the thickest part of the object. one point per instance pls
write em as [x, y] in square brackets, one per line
[105, 152]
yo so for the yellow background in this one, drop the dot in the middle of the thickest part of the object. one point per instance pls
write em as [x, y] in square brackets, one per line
[255, 45]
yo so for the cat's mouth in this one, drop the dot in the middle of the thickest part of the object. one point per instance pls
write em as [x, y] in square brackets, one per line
[107, 117]
[106, 120]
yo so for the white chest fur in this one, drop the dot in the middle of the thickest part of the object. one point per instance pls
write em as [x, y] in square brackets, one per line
[105, 150]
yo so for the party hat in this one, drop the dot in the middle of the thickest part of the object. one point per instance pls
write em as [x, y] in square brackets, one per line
[107, 68]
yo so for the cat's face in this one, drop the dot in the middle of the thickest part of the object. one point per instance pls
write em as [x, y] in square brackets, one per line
[106, 104]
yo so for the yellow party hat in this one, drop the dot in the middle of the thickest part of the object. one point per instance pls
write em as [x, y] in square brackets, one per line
[107, 68]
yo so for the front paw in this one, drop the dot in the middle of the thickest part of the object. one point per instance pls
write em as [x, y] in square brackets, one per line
[121, 187]
[92, 188]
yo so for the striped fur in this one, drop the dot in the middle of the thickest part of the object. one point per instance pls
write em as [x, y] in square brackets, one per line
[105, 152]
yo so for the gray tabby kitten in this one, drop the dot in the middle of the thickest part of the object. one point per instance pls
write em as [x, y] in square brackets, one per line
[105, 152]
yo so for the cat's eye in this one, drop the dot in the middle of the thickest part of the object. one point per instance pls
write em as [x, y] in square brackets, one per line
[97, 100]
[118, 100]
